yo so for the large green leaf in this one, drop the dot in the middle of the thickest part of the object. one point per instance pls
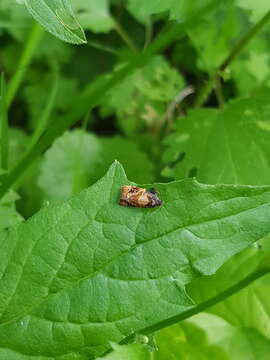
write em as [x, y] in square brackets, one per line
[257, 10]
[239, 343]
[178, 9]
[78, 159]
[254, 300]
[86, 272]
[58, 18]
[94, 14]
[186, 341]
[214, 38]
[141, 99]
[128, 352]
[230, 146]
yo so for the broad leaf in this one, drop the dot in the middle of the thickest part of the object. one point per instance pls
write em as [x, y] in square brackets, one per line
[58, 18]
[230, 146]
[178, 9]
[257, 10]
[239, 343]
[78, 159]
[128, 352]
[140, 101]
[94, 14]
[81, 274]
[254, 300]
[186, 341]
[213, 39]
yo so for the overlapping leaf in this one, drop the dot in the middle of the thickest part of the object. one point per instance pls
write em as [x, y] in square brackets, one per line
[77, 160]
[230, 146]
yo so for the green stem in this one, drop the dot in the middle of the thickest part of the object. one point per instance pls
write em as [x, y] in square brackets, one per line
[44, 118]
[218, 90]
[206, 90]
[105, 48]
[206, 304]
[28, 52]
[148, 34]
[94, 93]
[124, 35]
[3, 127]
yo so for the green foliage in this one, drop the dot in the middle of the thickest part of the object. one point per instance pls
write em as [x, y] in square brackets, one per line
[254, 300]
[173, 90]
[131, 352]
[58, 19]
[109, 246]
[9, 217]
[94, 15]
[78, 159]
[211, 141]
[141, 99]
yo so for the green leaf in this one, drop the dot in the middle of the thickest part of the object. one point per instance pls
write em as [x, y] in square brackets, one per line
[94, 15]
[186, 341]
[240, 343]
[130, 352]
[68, 165]
[178, 9]
[213, 39]
[257, 11]
[251, 69]
[9, 217]
[229, 146]
[87, 272]
[58, 18]
[3, 126]
[255, 308]
[141, 99]
[36, 95]
[78, 159]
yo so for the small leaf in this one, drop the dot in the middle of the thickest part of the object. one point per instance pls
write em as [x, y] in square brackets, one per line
[58, 18]
[82, 274]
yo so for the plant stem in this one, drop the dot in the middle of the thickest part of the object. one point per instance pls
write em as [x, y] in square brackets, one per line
[124, 35]
[26, 57]
[44, 118]
[239, 46]
[148, 34]
[206, 304]
[218, 90]
[100, 46]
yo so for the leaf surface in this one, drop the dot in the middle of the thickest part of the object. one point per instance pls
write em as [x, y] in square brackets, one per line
[82, 274]
[78, 159]
[94, 15]
[58, 18]
[229, 146]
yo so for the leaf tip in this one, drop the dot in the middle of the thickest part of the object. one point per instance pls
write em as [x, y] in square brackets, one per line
[116, 168]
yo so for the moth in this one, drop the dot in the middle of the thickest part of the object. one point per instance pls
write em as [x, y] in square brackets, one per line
[139, 197]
